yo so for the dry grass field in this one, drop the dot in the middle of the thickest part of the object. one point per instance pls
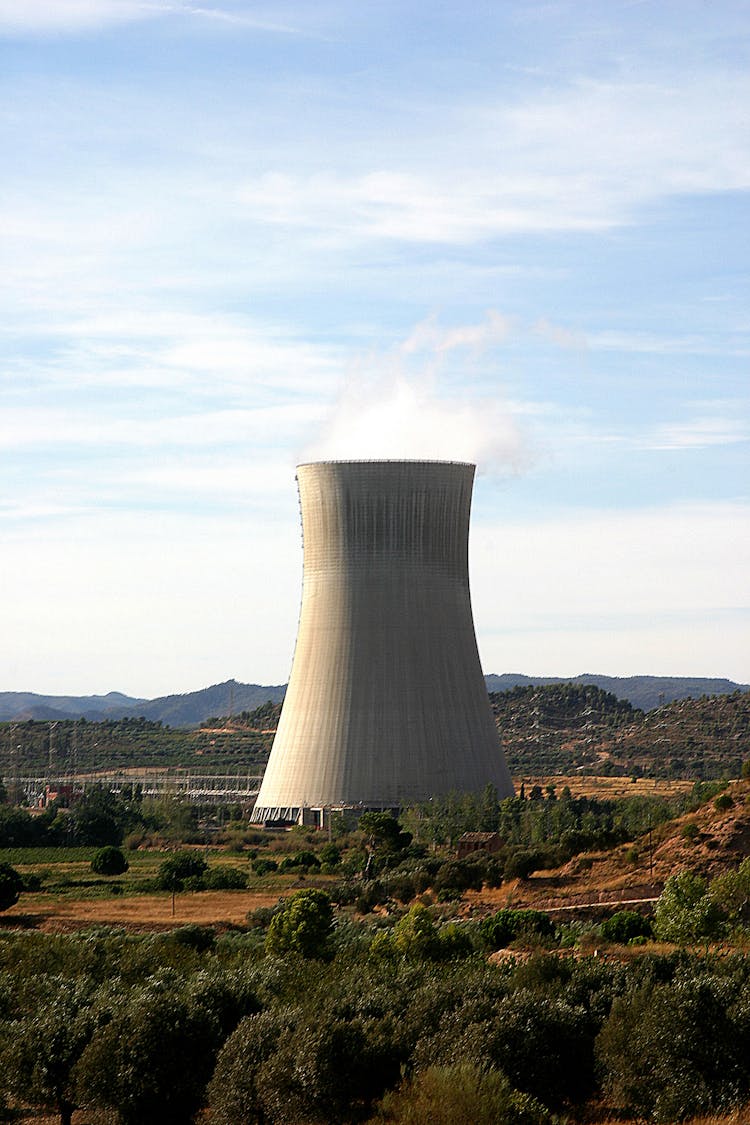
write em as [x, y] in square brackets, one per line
[606, 788]
[137, 912]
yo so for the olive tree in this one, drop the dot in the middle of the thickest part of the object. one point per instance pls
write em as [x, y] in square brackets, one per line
[151, 1063]
[109, 861]
[42, 1048]
[304, 926]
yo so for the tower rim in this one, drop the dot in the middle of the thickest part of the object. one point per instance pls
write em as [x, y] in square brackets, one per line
[386, 461]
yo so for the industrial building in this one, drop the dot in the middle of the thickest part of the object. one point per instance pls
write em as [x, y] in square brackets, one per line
[386, 703]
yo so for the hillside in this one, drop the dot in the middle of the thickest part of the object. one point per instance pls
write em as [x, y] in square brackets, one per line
[709, 841]
[558, 729]
[231, 698]
[562, 728]
[67, 746]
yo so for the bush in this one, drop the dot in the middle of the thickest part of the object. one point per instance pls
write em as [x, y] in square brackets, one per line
[464, 1094]
[330, 855]
[109, 861]
[522, 864]
[11, 885]
[199, 938]
[304, 925]
[625, 925]
[301, 861]
[508, 925]
[455, 877]
[723, 802]
[264, 866]
[224, 877]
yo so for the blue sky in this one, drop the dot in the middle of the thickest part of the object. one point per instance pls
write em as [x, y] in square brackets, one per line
[236, 236]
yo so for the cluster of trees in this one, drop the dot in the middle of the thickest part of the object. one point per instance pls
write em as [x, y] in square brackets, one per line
[548, 819]
[314, 1021]
[101, 817]
[98, 818]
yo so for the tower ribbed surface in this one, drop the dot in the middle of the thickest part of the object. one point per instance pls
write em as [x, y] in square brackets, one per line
[386, 703]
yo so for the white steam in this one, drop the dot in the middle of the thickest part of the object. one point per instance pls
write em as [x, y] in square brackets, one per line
[394, 407]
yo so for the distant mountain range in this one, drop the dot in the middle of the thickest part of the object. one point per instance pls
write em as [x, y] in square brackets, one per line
[645, 692]
[230, 698]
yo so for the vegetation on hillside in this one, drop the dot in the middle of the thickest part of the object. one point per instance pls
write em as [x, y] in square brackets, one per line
[79, 746]
[562, 728]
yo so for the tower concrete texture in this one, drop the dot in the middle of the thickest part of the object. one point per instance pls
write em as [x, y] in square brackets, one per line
[386, 703]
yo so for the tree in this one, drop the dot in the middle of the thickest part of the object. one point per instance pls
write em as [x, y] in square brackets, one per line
[109, 861]
[11, 885]
[304, 926]
[174, 872]
[685, 912]
[43, 1047]
[383, 831]
[152, 1061]
[671, 1051]
[731, 893]
[233, 1093]
[415, 936]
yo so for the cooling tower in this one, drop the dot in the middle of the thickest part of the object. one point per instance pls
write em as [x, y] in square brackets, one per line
[386, 703]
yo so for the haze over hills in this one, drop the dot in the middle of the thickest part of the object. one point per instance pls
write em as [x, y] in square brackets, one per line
[644, 692]
[231, 697]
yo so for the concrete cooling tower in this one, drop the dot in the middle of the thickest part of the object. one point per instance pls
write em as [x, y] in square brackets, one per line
[386, 703]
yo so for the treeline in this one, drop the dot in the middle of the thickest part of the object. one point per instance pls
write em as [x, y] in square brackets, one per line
[538, 816]
[313, 1021]
[265, 717]
[100, 817]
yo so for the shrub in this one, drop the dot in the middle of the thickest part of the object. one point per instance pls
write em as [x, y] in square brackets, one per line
[304, 925]
[330, 855]
[625, 925]
[224, 877]
[199, 938]
[464, 1094]
[301, 861]
[11, 885]
[109, 861]
[264, 866]
[508, 925]
[522, 864]
[723, 802]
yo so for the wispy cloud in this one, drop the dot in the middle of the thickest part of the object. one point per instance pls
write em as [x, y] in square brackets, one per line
[73, 16]
[699, 433]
